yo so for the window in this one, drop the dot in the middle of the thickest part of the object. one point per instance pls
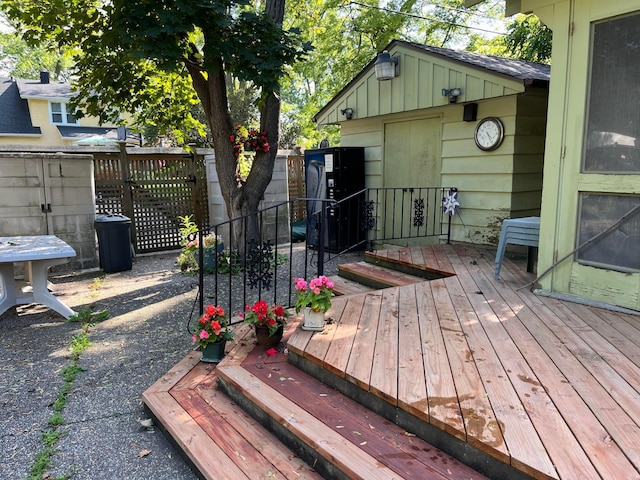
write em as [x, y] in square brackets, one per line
[613, 125]
[618, 249]
[60, 115]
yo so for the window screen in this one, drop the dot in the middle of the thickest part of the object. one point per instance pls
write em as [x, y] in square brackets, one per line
[613, 118]
[618, 249]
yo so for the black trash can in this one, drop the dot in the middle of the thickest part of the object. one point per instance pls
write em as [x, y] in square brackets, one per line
[114, 242]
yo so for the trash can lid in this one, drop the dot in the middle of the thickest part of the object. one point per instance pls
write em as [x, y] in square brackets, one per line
[112, 218]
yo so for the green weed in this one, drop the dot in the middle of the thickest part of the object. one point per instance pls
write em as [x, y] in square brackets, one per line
[79, 343]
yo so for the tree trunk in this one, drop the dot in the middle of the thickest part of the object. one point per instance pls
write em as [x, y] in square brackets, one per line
[240, 200]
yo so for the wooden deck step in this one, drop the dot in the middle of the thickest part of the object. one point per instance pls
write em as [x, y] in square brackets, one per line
[344, 286]
[215, 435]
[425, 261]
[375, 276]
[336, 435]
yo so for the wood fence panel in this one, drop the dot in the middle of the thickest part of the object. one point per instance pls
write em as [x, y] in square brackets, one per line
[295, 164]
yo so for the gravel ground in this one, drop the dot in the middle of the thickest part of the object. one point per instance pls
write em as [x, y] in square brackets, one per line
[144, 336]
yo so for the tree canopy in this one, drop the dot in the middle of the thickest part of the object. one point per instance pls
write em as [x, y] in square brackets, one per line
[154, 57]
[345, 37]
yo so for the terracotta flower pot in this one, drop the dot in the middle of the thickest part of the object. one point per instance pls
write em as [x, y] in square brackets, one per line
[264, 340]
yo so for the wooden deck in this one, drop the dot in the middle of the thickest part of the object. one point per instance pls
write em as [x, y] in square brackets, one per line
[548, 387]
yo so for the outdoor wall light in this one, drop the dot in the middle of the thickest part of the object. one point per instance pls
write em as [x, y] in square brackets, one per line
[386, 66]
[347, 112]
[452, 93]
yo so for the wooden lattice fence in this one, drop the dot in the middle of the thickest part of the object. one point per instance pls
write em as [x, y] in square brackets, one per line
[153, 187]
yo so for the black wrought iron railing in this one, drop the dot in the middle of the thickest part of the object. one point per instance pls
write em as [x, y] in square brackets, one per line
[263, 266]
[405, 213]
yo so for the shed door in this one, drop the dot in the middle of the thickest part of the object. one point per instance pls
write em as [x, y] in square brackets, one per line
[411, 160]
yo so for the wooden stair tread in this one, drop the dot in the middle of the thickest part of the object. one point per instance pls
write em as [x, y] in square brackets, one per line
[220, 440]
[362, 443]
[425, 261]
[363, 456]
[344, 286]
[374, 276]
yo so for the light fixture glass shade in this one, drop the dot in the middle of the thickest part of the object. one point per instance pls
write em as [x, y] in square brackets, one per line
[385, 66]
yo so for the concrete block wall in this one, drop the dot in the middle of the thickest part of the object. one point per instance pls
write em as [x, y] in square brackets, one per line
[277, 192]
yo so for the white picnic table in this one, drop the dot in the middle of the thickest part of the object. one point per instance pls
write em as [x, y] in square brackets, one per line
[39, 253]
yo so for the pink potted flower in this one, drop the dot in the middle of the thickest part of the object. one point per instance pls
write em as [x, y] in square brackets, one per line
[314, 299]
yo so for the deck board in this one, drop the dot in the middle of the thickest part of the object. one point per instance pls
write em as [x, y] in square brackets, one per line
[339, 351]
[570, 432]
[558, 440]
[322, 341]
[483, 429]
[497, 357]
[384, 367]
[617, 331]
[359, 366]
[442, 401]
[412, 388]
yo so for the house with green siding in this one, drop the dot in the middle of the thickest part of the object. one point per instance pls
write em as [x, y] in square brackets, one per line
[590, 212]
[418, 129]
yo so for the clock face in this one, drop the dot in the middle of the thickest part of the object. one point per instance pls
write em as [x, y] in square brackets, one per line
[489, 133]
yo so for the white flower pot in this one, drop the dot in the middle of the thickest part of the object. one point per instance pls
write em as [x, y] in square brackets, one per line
[313, 319]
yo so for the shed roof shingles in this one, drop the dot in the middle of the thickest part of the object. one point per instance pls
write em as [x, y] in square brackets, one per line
[512, 67]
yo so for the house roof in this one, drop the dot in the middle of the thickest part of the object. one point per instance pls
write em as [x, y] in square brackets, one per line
[38, 89]
[98, 135]
[15, 118]
[432, 69]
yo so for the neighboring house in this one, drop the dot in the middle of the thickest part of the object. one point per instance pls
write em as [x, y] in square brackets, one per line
[37, 112]
[592, 158]
[419, 129]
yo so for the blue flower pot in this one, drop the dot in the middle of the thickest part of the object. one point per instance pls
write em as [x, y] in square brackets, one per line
[210, 257]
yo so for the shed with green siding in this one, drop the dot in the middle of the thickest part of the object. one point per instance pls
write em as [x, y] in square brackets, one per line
[415, 136]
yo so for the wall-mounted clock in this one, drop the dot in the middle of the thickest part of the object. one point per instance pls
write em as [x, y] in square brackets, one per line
[489, 133]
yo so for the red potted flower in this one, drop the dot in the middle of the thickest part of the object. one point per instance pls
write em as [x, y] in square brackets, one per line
[268, 320]
[212, 333]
